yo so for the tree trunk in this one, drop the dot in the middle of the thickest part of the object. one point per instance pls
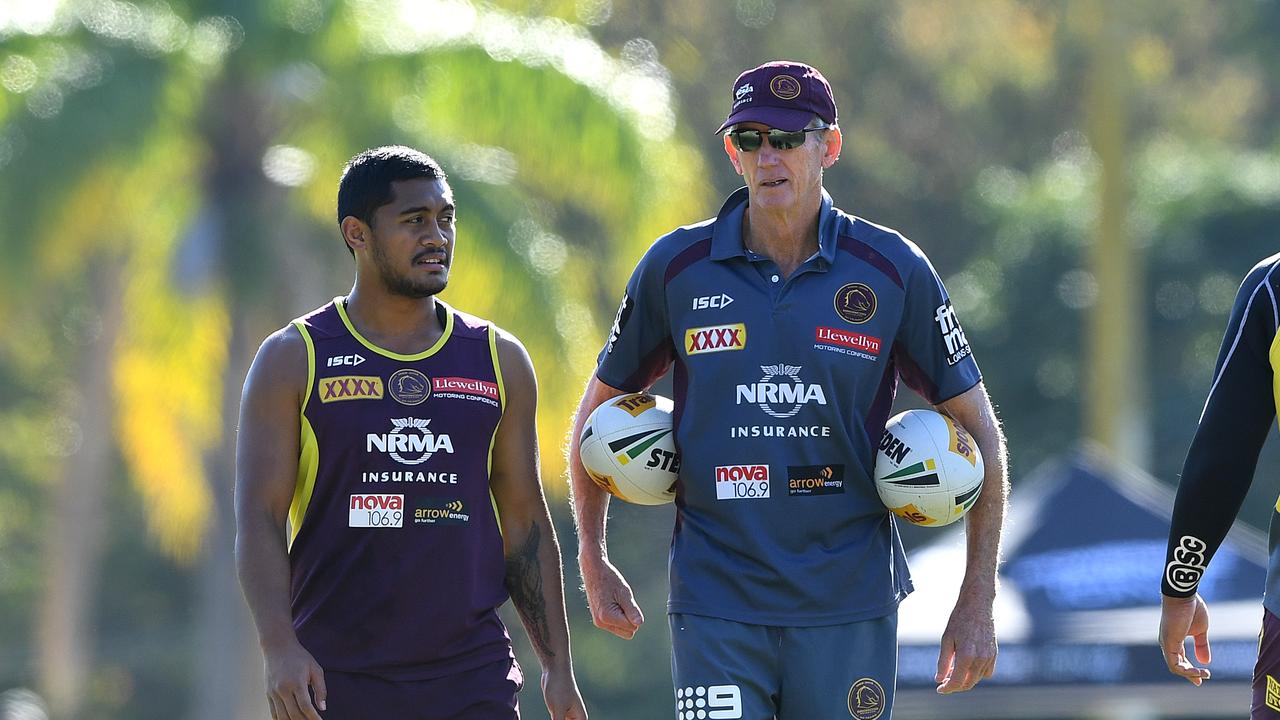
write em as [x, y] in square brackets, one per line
[230, 676]
[230, 682]
[75, 536]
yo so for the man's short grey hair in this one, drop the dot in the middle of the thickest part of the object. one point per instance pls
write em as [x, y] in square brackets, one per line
[818, 122]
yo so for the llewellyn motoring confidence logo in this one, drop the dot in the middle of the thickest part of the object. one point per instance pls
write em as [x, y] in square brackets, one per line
[465, 388]
[847, 342]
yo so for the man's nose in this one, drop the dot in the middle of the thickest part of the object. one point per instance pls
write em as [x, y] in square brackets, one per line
[433, 235]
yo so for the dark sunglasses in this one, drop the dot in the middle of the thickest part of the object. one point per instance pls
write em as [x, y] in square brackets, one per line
[750, 140]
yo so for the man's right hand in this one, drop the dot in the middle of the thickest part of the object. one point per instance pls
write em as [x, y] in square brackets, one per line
[613, 606]
[293, 676]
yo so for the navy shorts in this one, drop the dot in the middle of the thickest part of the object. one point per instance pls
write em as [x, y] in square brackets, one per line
[724, 670]
[1266, 674]
[485, 693]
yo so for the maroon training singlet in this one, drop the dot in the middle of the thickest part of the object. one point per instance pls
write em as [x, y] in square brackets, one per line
[395, 552]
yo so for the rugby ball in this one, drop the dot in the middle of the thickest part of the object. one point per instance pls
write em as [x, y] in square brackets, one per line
[928, 468]
[628, 448]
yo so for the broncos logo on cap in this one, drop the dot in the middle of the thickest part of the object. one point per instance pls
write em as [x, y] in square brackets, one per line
[785, 87]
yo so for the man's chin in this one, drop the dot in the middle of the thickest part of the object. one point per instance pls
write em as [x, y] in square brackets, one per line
[419, 291]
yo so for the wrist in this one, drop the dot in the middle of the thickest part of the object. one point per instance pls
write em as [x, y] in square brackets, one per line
[592, 553]
[984, 605]
[561, 664]
[276, 641]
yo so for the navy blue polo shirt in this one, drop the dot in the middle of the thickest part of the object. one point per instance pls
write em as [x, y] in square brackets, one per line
[782, 388]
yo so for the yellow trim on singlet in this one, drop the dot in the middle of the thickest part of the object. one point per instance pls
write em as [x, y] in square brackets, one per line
[497, 367]
[502, 410]
[309, 447]
[339, 303]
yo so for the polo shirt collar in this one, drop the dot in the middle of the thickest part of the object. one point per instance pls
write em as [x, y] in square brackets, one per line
[726, 231]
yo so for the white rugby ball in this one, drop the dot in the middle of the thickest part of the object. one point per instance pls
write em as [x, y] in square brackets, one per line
[628, 448]
[928, 469]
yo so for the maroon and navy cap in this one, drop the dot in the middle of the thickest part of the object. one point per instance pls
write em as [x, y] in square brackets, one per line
[781, 94]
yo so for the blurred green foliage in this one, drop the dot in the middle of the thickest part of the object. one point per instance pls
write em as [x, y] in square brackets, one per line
[184, 157]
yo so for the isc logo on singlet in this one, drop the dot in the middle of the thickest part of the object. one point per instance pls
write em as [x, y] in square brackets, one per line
[340, 360]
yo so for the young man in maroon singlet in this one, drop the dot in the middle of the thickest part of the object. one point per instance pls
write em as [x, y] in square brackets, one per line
[388, 498]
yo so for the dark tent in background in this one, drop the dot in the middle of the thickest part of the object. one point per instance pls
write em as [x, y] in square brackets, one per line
[1079, 607]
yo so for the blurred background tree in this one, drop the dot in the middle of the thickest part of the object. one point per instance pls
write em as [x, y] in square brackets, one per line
[168, 171]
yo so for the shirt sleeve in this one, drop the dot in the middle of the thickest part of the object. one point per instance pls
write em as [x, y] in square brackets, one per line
[930, 352]
[639, 349]
[1233, 427]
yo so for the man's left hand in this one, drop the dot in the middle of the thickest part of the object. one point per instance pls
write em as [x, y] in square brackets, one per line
[968, 652]
[560, 690]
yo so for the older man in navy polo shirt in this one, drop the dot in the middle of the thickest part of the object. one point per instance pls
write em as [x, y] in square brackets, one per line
[784, 601]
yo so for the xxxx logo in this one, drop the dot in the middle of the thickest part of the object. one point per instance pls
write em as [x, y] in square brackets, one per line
[717, 338]
[350, 387]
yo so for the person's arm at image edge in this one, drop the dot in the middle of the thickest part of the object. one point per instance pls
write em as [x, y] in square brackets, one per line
[1218, 471]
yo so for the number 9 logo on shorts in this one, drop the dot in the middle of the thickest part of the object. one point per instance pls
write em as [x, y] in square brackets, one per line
[714, 702]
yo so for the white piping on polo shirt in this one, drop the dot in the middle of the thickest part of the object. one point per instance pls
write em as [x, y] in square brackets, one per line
[1266, 282]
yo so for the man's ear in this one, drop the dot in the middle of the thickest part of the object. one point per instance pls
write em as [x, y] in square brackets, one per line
[355, 232]
[831, 153]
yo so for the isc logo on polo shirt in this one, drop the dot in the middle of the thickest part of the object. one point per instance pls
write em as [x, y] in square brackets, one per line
[715, 338]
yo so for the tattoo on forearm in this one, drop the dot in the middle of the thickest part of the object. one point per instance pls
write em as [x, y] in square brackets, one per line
[524, 584]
